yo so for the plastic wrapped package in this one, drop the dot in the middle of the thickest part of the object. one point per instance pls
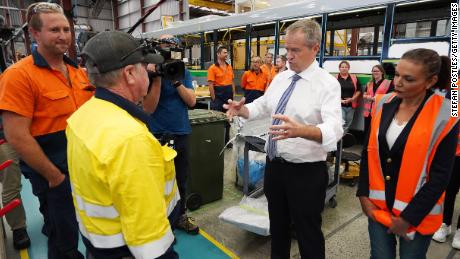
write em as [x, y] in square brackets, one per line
[250, 214]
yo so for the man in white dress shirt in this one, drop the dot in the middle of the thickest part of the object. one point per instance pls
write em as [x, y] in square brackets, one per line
[304, 103]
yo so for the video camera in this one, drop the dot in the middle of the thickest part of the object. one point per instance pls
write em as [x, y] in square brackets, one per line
[173, 68]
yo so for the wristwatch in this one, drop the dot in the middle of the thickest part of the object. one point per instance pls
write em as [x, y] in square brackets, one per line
[177, 84]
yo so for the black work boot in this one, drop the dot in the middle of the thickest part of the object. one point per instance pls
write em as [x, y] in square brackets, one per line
[21, 239]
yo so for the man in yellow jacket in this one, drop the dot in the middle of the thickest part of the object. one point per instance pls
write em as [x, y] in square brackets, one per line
[118, 171]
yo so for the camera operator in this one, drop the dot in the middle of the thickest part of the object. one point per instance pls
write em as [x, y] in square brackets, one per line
[170, 124]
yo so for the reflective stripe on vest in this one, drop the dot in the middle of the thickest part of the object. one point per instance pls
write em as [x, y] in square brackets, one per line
[152, 249]
[436, 210]
[379, 100]
[169, 187]
[101, 241]
[422, 142]
[172, 203]
[93, 210]
[382, 89]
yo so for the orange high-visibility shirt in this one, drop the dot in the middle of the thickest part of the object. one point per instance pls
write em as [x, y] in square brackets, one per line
[271, 73]
[220, 76]
[254, 81]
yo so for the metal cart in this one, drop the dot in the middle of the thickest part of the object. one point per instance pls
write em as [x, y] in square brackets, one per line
[255, 218]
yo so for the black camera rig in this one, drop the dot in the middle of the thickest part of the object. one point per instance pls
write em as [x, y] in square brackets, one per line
[173, 68]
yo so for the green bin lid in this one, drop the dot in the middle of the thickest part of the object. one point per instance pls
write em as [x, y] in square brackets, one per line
[200, 116]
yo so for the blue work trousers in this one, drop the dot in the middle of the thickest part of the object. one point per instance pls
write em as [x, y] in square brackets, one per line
[383, 245]
[56, 206]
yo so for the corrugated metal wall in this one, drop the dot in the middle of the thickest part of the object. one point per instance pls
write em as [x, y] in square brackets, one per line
[11, 8]
[104, 21]
[82, 12]
[129, 11]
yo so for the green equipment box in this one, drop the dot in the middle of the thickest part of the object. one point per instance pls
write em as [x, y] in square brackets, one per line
[206, 179]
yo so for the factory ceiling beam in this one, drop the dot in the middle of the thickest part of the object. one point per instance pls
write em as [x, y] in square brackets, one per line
[213, 5]
[25, 31]
[115, 15]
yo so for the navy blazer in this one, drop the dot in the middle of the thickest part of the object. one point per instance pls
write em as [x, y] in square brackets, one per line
[390, 161]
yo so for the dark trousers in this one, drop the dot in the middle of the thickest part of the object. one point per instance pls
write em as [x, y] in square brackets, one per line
[367, 124]
[182, 165]
[61, 227]
[222, 93]
[451, 193]
[295, 193]
[119, 252]
[251, 95]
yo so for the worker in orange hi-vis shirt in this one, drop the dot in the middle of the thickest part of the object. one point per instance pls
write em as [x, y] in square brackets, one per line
[268, 68]
[254, 81]
[221, 85]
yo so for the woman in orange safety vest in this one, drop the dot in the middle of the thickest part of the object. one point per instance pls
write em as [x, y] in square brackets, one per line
[407, 159]
[377, 85]
[350, 93]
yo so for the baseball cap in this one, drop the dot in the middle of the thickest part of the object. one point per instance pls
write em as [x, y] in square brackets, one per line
[110, 50]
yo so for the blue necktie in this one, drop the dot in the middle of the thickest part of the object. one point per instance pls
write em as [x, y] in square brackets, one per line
[271, 150]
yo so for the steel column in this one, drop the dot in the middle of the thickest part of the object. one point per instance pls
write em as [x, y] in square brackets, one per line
[202, 50]
[116, 23]
[248, 47]
[387, 30]
[277, 41]
[322, 46]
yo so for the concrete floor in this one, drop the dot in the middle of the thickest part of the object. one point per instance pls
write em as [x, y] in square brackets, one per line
[344, 227]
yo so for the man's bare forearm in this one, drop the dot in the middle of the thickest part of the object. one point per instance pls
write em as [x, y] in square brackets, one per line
[211, 89]
[243, 112]
[152, 98]
[312, 133]
[18, 136]
[187, 95]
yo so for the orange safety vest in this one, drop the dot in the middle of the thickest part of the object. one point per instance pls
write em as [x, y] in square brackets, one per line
[354, 79]
[431, 126]
[382, 89]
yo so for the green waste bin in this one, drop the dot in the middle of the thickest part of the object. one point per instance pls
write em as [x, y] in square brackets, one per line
[206, 179]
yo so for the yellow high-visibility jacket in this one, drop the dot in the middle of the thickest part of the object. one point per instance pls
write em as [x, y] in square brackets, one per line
[119, 175]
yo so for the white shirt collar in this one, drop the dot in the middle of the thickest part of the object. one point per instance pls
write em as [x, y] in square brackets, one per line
[307, 73]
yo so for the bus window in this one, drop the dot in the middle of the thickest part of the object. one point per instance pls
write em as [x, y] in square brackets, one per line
[354, 42]
[442, 27]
